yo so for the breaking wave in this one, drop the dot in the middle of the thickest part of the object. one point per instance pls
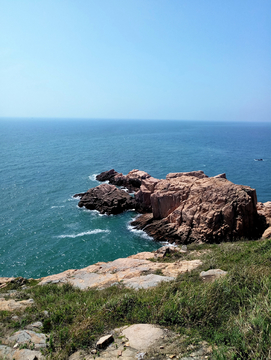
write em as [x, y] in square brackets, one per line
[140, 233]
[90, 232]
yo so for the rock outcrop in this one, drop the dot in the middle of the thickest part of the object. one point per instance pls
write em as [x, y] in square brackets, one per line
[12, 305]
[136, 271]
[185, 207]
[190, 207]
[107, 199]
[264, 209]
[131, 181]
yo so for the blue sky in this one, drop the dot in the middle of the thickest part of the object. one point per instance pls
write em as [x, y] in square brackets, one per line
[136, 59]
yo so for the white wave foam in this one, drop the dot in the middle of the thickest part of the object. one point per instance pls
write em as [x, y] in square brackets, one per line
[140, 233]
[57, 206]
[90, 232]
[93, 177]
[72, 198]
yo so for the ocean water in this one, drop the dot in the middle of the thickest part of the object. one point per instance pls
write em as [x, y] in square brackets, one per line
[44, 162]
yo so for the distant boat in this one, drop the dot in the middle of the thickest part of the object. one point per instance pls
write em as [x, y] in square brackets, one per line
[258, 159]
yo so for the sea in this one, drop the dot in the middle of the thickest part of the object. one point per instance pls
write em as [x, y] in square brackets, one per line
[44, 162]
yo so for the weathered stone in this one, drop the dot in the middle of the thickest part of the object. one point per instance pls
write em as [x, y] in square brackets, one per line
[28, 337]
[198, 174]
[5, 280]
[131, 272]
[107, 199]
[190, 207]
[221, 176]
[143, 196]
[131, 181]
[107, 175]
[145, 282]
[104, 341]
[35, 326]
[142, 336]
[211, 275]
[11, 304]
[264, 209]
[267, 233]
[7, 353]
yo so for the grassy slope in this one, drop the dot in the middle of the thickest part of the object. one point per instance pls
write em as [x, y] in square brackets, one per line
[233, 314]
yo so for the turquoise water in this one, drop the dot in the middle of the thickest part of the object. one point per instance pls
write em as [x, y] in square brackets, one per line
[45, 162]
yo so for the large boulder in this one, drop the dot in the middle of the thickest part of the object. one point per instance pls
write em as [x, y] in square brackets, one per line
[107, 199]
[107, 175]
[190, 207]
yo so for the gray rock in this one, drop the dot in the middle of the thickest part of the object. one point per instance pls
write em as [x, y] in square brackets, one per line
[45, 313]
[104, 341]
[7, 353]
[28, 337]
[211, 275]
[35, 326]
[142, 336]
[144, 282]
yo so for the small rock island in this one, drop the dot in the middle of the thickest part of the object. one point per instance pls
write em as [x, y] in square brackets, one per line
[185, 207]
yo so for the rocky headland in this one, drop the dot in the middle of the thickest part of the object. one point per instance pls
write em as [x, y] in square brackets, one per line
[185, 207]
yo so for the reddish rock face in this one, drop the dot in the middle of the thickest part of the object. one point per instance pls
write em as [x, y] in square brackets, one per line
[264, 210]
[184, 207]
[106, 199]
[188, 207]
[143, 196]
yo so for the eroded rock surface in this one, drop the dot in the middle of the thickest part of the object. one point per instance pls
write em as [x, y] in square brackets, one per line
[131, 181]
[147, 341]
[264, 209]
[190, 207]
[185, 207]
[27, 337]
[12, 305]
[5, 280]
[107, 199]
[8, 353]
[135, 272]
[212, 274]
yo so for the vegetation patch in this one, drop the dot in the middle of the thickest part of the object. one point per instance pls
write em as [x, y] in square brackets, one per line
[232, 314]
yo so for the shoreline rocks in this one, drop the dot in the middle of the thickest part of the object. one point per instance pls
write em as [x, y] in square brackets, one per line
[131, 181]
[136, 271]
[106, 199]
[192, 207]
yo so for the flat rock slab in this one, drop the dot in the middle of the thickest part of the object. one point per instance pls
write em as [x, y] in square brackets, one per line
[28, 337]
[144, 282]
[211, 275]
[11, 304]
[129, 271]
[142, 336]
[146, 341]
[7, 353]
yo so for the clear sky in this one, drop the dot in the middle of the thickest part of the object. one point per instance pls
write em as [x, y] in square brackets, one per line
[136, 59]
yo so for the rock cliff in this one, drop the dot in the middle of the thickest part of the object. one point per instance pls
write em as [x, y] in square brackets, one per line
[188, 207]
[185, 207]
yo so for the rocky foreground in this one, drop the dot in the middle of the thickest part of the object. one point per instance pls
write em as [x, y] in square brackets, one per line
[184, 207]
[137, 341]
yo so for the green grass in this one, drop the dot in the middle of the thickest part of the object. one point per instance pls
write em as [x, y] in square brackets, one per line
[233, 314]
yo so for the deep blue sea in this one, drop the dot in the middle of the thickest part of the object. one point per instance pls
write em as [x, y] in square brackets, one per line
[44, 162]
